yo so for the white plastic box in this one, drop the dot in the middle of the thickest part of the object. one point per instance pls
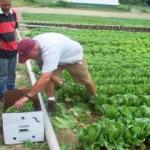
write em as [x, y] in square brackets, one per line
[25, 126]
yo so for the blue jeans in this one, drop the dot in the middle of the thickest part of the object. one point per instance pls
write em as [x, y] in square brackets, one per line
[7, 74]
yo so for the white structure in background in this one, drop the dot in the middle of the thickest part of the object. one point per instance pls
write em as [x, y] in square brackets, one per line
[105, 2]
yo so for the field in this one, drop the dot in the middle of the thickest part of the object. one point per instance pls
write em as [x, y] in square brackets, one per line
[84, 20]
[119, 8]
[17, 3]
[119, 64]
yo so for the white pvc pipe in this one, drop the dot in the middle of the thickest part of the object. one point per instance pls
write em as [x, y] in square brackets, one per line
[49, 131]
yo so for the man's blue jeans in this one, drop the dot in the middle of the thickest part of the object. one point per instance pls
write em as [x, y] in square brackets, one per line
[7, 74]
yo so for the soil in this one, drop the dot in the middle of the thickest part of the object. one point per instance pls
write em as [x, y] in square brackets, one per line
[67, 137]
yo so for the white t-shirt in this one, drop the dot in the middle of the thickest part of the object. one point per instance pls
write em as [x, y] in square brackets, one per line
[57, 49]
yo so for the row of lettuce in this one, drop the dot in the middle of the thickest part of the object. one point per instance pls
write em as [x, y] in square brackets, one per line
[119, 64]
[84, 20]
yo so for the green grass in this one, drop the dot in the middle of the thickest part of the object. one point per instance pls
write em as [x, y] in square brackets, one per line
[87, 6]
[33, 146]
[50, 3]
[23, 3]
[140, 8]
[22, 77]
[90, 20]
[121, 7]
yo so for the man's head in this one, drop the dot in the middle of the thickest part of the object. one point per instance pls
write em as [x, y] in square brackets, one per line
[27, 49]
[5, 5]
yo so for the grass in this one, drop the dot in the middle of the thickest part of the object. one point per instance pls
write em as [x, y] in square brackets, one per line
[23, 3]
[34, 146]
[115, 8]
[22, 77]
[141, 8]
[90, 20]
[122, 7]
[87, 6]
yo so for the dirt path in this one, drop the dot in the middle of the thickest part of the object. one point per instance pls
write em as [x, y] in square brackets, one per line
[84, 12]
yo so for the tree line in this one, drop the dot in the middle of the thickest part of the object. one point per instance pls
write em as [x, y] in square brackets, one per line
[121, 1]
[135, 2]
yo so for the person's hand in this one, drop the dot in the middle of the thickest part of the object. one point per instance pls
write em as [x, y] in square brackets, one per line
[19, 104]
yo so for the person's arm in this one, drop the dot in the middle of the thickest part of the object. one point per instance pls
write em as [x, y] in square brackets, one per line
[16, 25]
[39, 85]
[56, 80]
[0, 44]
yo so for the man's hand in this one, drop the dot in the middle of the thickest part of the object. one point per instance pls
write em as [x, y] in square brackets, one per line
[19, 104]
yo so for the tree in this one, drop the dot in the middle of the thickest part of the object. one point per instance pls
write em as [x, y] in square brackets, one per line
[132, 1]
[148, 2]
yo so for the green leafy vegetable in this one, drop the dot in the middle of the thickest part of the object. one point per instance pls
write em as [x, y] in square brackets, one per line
[28, 107]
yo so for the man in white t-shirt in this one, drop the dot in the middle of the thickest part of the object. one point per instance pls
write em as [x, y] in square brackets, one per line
[54, 53]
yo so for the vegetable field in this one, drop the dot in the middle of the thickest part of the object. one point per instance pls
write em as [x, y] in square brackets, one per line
[82, 20]
[119, 63]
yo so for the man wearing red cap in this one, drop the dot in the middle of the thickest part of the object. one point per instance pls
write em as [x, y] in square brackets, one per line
[8, 46]
[54, 52]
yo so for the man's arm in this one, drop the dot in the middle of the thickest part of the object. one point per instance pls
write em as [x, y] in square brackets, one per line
[38, 86]
[56, 80]
[0, 44]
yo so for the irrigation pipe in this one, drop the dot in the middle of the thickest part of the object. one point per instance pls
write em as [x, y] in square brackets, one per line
[49, 131]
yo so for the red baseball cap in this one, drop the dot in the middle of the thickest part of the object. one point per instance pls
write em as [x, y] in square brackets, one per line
[24, 48]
